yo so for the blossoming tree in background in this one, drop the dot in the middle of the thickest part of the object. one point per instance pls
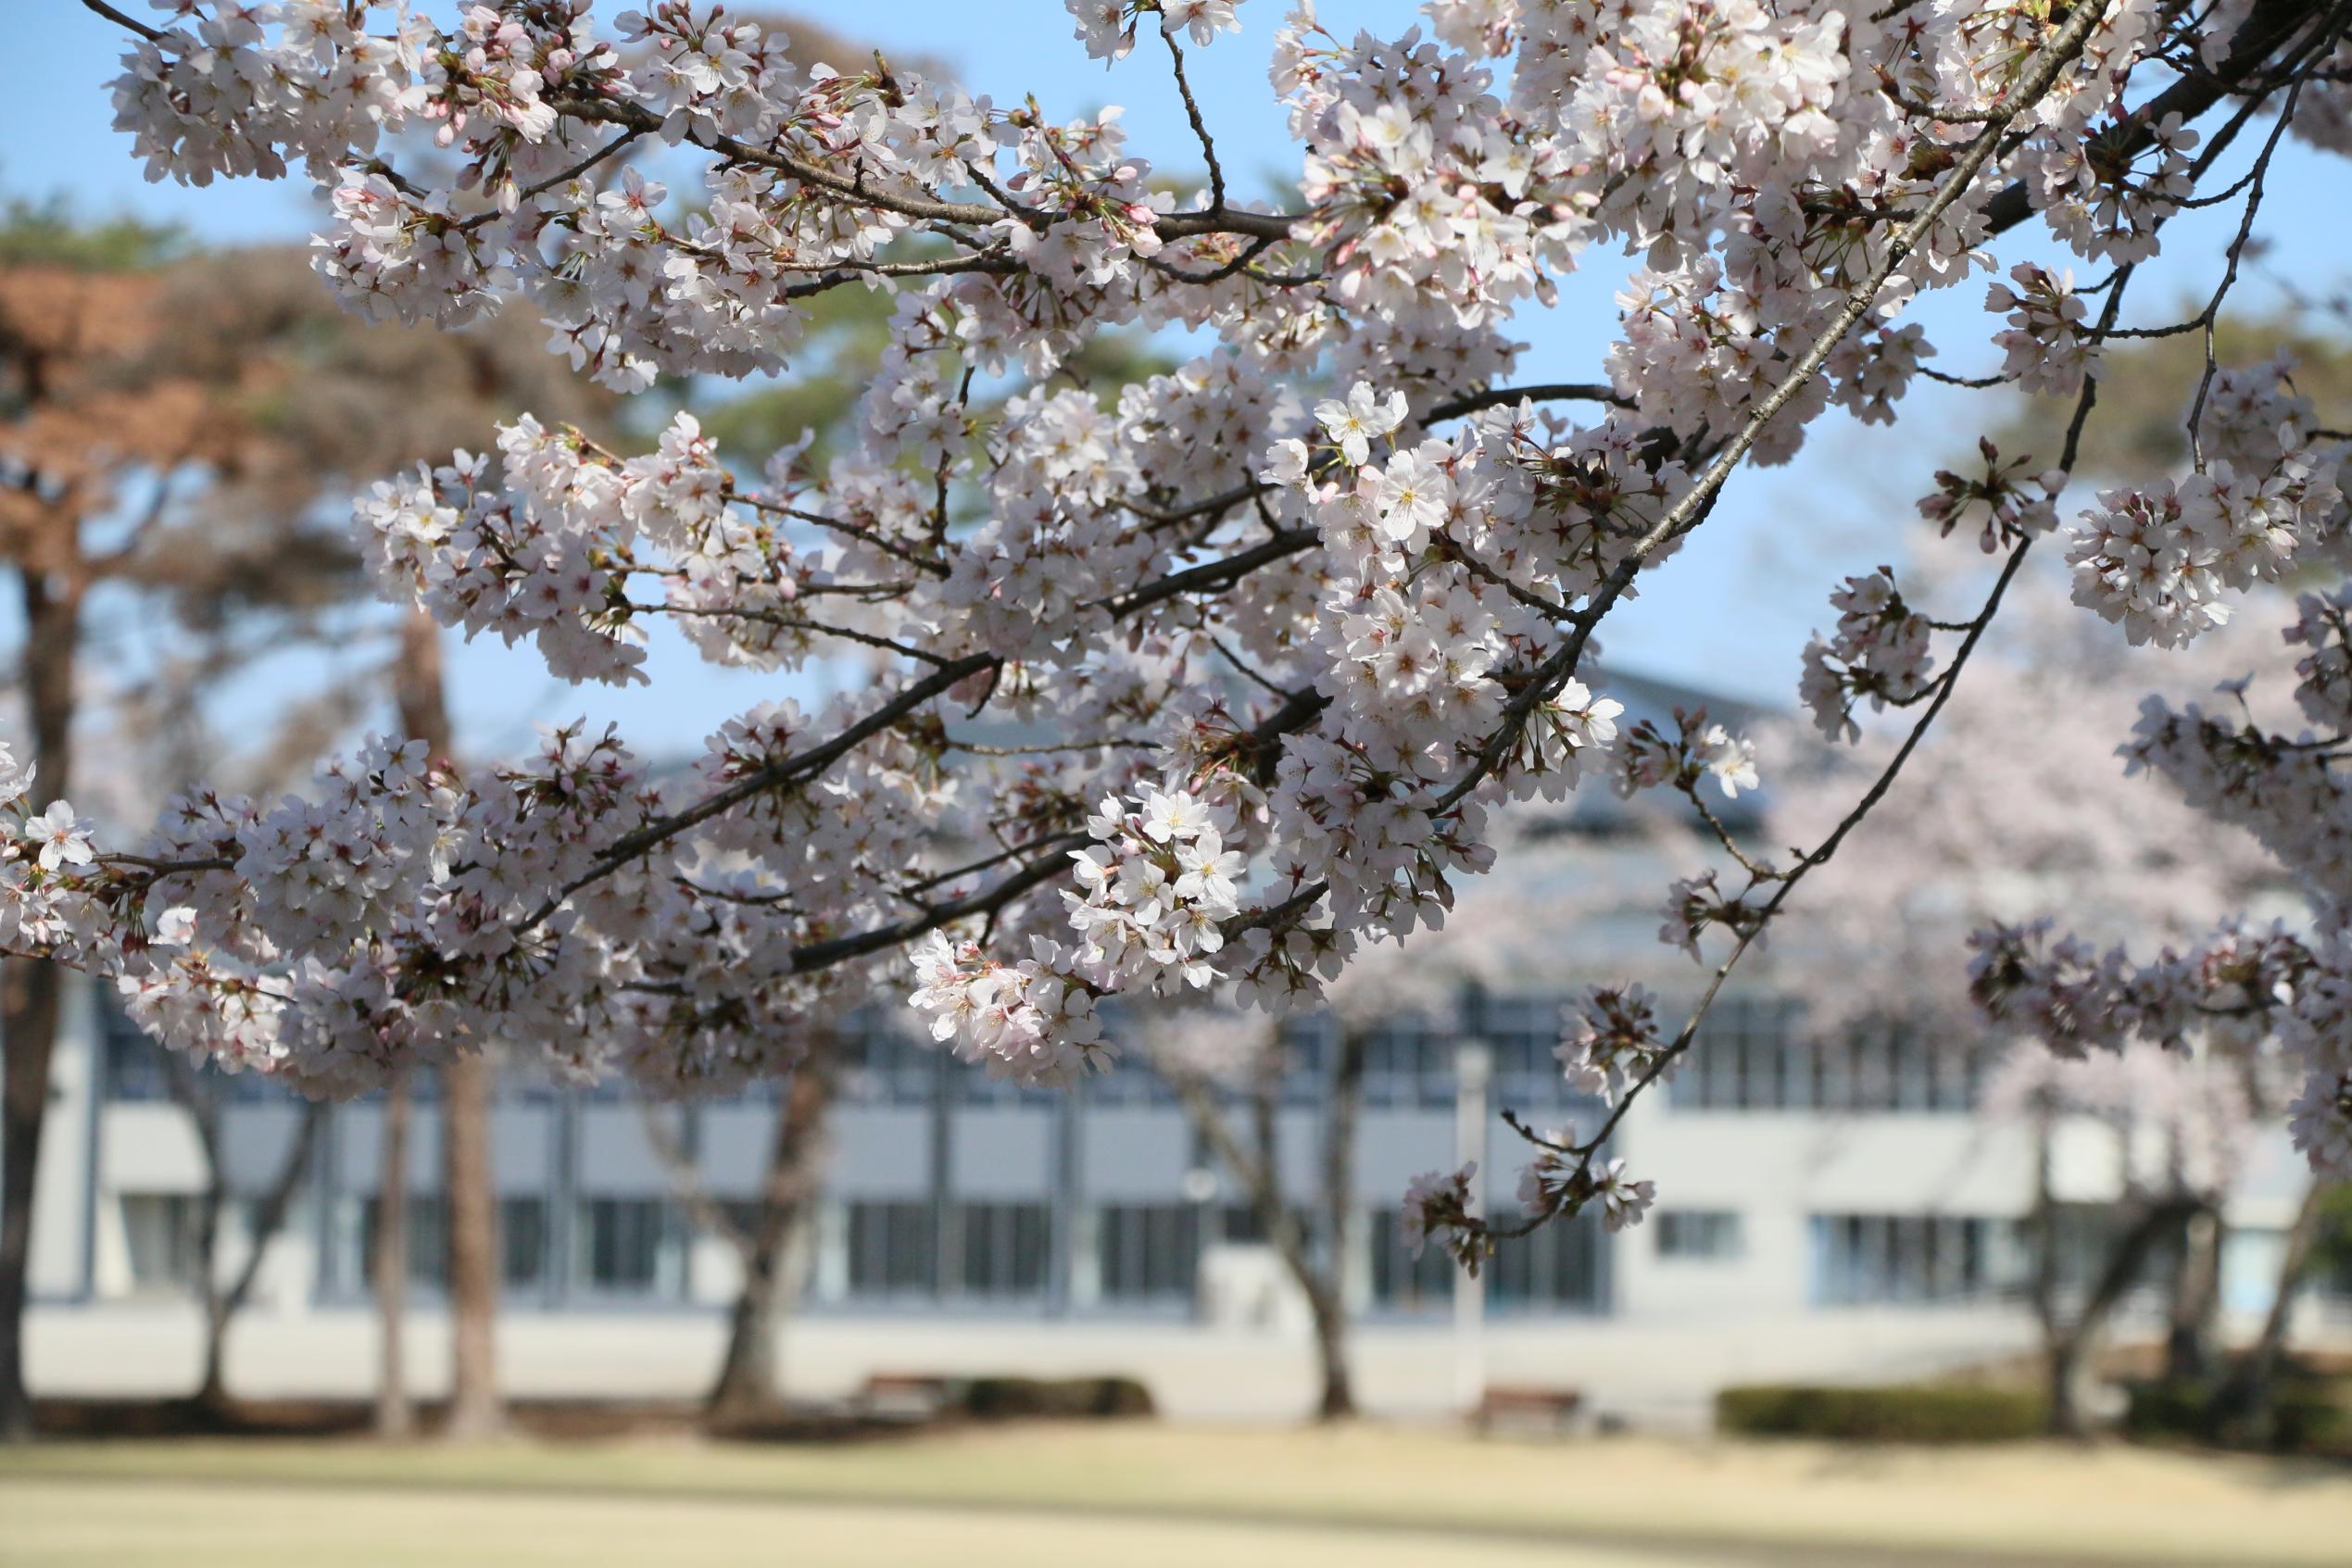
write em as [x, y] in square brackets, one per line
[1410, 575]
[175, 418]
[1984, 829]
[1230, 1072]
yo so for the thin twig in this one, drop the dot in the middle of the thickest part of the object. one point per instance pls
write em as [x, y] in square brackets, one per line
[1199, 126]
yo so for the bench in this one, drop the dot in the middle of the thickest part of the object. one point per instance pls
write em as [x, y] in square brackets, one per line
[901, 1396]
[1549, 1410]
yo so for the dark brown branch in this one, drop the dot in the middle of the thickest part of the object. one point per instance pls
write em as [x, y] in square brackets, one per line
[856, 191]
[2271, 23]
[1551, 392]
[1199, 126]
[151, 34]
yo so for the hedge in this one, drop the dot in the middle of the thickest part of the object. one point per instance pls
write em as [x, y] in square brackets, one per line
[2308, 1415]
[1060, 1399]
[1894, 1414]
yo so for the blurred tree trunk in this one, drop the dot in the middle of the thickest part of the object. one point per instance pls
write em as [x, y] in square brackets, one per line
[2242, 1405]
[416, 689]
[222, 1305]
[2075, 1341]
[2197, 1300]
[1338, 1401]
[32, 989]
[1259, 1173]
[469, 1193]
[747, 1383]
[472, 1204]
[395, 1417]
[2071, 1339]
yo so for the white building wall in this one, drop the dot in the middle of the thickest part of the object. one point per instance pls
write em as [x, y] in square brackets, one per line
[1673, 1329]
[59, 1266]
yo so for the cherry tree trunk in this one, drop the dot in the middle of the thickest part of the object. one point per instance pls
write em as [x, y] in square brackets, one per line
[1257, 1170]
[221, 1306]
[2196, 1297]
[195, 1098]
[1326, 1294]
[2073, 1351]
[29, 1022]
[474, 1407]
[2242, 1405]
[395, 1416]
[1336, 1401]
[747, 1383]
[1317, 1278]
[2066, 1360]
[469, 1193]
[212, 1386]
[32, 989]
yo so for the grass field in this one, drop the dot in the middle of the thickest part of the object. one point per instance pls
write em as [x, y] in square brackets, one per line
[152, 1525]
[1146, 1495]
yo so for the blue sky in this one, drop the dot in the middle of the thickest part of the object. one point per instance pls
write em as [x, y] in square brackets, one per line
[1731, 612]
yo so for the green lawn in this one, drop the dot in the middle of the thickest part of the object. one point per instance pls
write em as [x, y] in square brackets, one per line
[184, 1524]
[1145, 1494]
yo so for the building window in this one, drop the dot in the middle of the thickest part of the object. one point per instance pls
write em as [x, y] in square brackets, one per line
[1241, 1224]
[632, 1247]
[1408, 1062]
[135, 1068]
[1002, 1248]
[1750, 1056]
[1521, 1032]
[969, 1084]
[894, 1249]
[1310, 1047]
[891, 1068]
[428, 1221]
[1556, 1267]
[1147, 1251]
[160, 1232]
[522, 1240]
[1402, 1282]
[1879, 1258]
[1745, 1058]
[2086, 1239]
[1712, 1235]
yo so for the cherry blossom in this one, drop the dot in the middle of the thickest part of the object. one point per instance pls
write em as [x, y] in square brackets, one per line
[1611, 1042]
[63, 837]
[2046, 345]
[2160, 560]
[1437, 1208]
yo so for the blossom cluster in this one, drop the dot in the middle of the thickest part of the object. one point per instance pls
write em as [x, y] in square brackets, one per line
[1107, 27]
[1881, 652]
[2048, 350]
[1611, 1042]
[1154, 899]
[1557, 1184]
[1437, 1208]
[2161, 559]
[2247, 986]
[2017, 505]
[1033, 1019]
[1698, 905]
[1649, 758]
[41, 853]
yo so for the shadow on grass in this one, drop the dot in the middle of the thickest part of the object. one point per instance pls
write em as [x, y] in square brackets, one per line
[547, 1419]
